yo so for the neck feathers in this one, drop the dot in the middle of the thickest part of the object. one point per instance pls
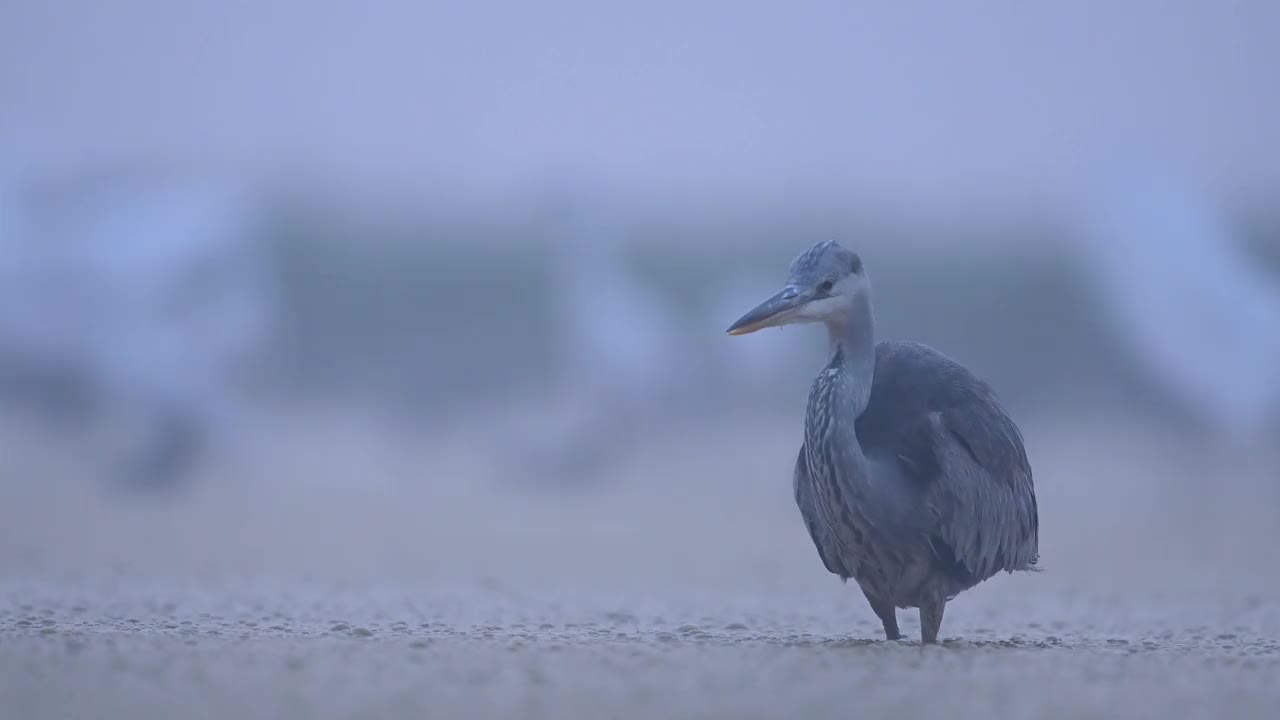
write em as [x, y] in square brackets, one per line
[853, 349]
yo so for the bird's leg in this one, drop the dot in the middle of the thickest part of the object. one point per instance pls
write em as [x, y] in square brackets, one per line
[931, 620]
[887, 614]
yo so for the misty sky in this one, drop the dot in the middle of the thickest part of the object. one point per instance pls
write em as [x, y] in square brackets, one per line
[932, 102]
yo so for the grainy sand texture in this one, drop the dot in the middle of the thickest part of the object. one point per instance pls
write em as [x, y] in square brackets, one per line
[364, 572]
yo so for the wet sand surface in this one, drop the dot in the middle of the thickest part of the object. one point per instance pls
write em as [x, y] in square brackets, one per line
[155, 652]
[664, 596]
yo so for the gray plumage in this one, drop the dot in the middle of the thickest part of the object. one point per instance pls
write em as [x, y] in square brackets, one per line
[911, 478]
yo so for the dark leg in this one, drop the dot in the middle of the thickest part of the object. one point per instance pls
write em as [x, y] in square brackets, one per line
[887, 614]
[173, 450]
[931, 620]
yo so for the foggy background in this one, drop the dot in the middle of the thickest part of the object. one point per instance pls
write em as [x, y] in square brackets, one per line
[433, 294]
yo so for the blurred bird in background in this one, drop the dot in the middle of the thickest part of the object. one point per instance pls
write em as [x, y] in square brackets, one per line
[131, 302]
[616, 353]
[633, 352]
[1201, 316]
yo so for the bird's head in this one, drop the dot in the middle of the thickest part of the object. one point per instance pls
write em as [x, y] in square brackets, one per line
[823, 283]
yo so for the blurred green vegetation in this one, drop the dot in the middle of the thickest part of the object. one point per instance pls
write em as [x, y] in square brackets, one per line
[436, 313]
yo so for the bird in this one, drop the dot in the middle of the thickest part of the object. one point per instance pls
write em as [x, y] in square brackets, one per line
[1197, 311]
[621, 367]
[151, 292]
[911, 479]
[610, 382]
[189, 304]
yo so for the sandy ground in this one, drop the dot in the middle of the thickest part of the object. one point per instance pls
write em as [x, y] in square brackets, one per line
[363, 572]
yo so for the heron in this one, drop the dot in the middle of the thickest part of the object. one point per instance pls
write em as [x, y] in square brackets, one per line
[912, 479]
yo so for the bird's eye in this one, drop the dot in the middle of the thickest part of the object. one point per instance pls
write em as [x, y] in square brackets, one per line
[825, 286]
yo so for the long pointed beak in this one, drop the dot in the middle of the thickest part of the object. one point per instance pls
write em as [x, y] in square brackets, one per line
[769, 313]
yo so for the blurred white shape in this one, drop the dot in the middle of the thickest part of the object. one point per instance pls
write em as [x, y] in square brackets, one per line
[152, 290]
[620, 363]
[174, 266]
[1200, 314]
[618, 335]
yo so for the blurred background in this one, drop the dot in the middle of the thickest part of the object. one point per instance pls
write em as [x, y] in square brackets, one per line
[437, 290]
